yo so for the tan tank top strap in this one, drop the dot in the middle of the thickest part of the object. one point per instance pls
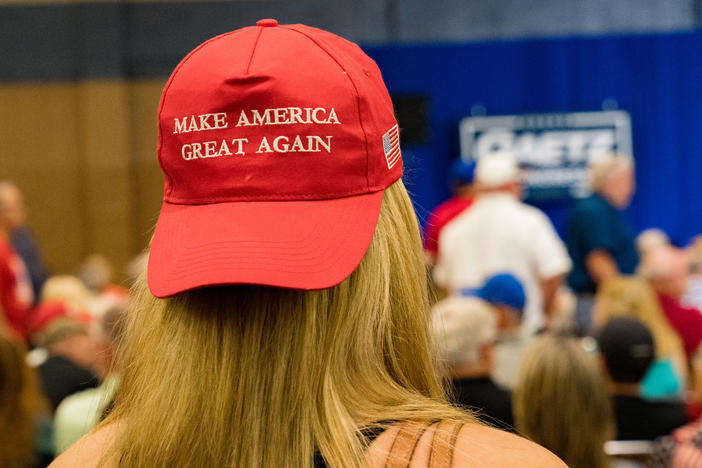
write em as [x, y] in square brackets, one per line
[404, 444]
[444, 443]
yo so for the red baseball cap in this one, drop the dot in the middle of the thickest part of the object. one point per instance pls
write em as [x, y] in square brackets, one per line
[276, 143]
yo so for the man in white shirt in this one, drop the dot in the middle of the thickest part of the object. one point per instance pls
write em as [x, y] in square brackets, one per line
[501, 234]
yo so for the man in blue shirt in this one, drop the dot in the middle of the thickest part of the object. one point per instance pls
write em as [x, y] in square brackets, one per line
[599, 238]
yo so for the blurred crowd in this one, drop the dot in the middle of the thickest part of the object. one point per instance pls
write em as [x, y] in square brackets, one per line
[58, 338]
[587, 344]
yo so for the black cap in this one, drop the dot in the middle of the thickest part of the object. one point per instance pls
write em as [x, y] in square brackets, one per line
[627, 347]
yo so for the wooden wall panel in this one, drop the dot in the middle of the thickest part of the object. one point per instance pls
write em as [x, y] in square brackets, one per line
[145, 95]
[105, 166]
[84, 154]
[40, 133]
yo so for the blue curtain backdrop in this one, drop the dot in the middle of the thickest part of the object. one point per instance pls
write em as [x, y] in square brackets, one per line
[657, 79]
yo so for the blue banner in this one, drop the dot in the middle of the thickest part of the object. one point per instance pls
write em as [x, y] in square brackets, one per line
[656, 79]
[553, 150]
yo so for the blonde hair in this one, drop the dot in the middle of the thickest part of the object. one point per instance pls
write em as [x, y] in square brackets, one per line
[20, 403]
[461, 325]
[68, 290]
[560, 402]
[631, 296]
[252, 376]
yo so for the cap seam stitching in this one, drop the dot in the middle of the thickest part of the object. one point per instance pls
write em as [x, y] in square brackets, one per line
[358, 95]
[163, 102]
[248, 66]
[281, 198]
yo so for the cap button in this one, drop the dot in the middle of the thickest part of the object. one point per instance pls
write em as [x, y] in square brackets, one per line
[267, 23]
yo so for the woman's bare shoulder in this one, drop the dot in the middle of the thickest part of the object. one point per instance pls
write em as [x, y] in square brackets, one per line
[88, 451]
[481, 446]
[476, 446]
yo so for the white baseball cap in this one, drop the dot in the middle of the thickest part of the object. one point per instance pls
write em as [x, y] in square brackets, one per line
[496, 169]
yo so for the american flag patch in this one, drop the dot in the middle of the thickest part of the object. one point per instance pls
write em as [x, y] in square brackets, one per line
[391, 146]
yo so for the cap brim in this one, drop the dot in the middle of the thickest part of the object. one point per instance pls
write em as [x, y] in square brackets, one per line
[290, 244]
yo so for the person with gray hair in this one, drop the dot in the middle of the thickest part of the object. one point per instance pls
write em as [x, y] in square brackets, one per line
[599, 238]
[466, 329]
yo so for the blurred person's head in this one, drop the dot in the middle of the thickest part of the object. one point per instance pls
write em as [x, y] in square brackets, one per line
[291, 284]
[499, 172]
[68, 290]
[667, 269]
[650, 239]
[107, 333]
[462, 176]
[465, 330]
[20, 403]
[42, 315]
[68, 338]
[560, 402]
[12, 210]
[632, 297]
[612, 176]
[506, 294]
[95, 272]
[627, 350]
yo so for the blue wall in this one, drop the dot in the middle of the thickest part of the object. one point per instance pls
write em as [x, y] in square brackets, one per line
[656, 78]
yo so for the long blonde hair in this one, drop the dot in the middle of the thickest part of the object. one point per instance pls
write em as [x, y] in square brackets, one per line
[252, 376]
[631, 296]
[560, 402]
[20, 403]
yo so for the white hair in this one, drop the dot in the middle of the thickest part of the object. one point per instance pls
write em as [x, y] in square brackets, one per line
[601, 168]
[461, 325]
[650, 239]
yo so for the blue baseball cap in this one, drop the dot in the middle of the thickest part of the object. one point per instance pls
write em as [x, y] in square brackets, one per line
[501, 288]
[462, 172]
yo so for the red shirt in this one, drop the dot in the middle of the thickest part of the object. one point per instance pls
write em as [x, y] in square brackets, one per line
[439, 218]
[15, 290]
[687, 321]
